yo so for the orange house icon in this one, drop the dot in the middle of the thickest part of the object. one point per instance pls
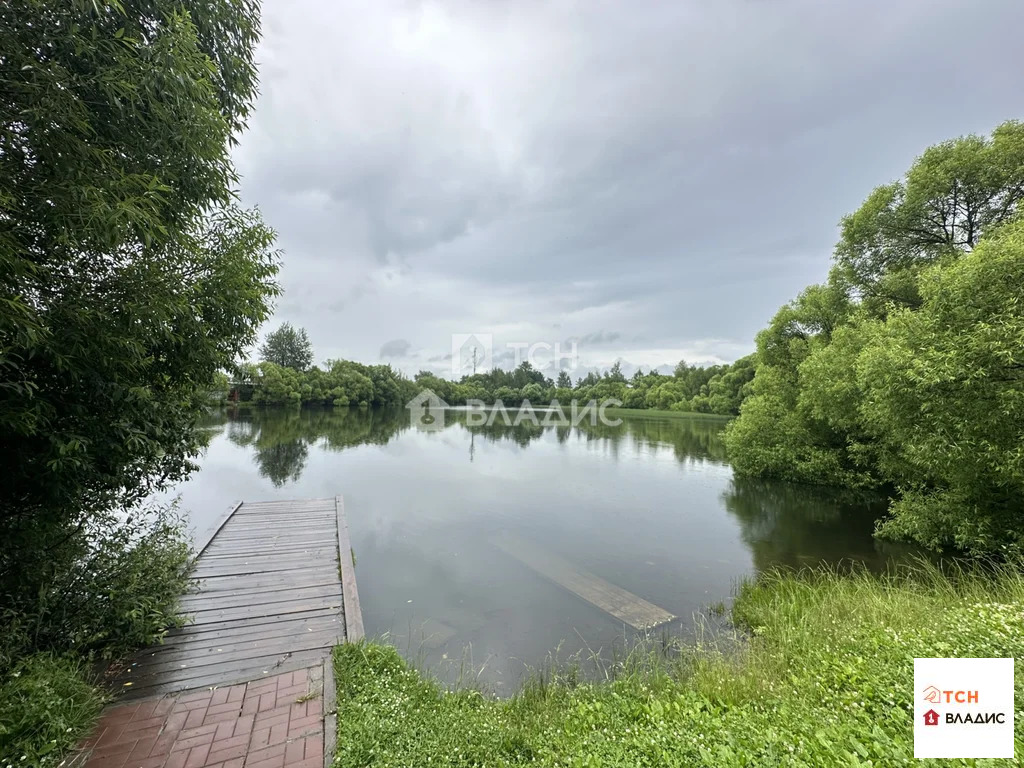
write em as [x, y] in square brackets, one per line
[931, 717]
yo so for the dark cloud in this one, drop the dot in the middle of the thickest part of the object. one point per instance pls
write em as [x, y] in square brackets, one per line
[395, 348]
[536, 171]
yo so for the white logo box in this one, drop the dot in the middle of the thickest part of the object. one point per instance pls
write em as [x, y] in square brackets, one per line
[971, 703]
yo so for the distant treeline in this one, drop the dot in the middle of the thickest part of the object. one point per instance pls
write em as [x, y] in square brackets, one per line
[718, 389]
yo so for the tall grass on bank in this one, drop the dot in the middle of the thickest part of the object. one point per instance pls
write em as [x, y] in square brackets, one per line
[112, 586]
[824, 677]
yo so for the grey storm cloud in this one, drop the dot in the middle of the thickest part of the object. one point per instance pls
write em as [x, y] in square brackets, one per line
[536, 170]
[395, 348]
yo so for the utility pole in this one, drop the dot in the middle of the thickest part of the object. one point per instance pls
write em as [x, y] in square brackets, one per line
[474, 361]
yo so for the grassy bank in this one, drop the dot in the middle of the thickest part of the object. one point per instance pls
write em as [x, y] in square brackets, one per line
[825, 680]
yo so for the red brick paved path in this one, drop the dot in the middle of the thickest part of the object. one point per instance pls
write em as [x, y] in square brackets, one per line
[268, 723]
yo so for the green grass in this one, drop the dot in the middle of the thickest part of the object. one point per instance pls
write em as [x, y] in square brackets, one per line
[824, 679]
[46, 706]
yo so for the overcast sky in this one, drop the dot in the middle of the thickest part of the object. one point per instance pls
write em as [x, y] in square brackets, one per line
[652, 180]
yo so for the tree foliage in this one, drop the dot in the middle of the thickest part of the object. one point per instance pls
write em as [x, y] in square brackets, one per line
[905, 370]
[288, 347]
[128, 276]
[953, 194]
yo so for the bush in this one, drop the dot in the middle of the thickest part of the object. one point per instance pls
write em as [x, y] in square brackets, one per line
[112, 586]
[121, 590]
[46, 705]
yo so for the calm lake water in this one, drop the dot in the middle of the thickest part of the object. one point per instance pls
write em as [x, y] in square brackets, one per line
[651, 507]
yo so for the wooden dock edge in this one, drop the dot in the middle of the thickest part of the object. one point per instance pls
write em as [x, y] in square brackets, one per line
[349, 592]
[203, 540]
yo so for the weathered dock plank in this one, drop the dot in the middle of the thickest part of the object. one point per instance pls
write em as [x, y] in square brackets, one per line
[272, 597]
[353, 613]
[625, 606]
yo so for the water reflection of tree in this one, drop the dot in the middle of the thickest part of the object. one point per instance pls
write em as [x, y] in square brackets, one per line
[282, 462]
[794, 525]
[689, 439]
[280, 437]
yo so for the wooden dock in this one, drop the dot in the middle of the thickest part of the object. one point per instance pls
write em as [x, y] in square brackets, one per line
[277, 591]
[616, 601]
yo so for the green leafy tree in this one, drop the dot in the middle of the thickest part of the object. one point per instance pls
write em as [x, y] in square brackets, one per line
[128, 276]
[954, 194]
[615, 373]
[943, 394]
[288, 347]
[905, 369]
[533, 392]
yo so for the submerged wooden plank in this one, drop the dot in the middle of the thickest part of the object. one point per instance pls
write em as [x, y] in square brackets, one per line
[625, 606]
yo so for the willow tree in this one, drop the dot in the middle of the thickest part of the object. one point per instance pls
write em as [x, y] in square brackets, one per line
[128, 274]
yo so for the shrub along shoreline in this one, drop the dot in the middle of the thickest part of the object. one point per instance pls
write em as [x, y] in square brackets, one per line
[113, 587]
[824, 678]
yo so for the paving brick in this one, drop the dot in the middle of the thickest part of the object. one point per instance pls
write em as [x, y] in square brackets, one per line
[149, 762]
[244, 724]
[236, 692]
[250, 725]
[198, 730]
[220, 696]
[194, 741]
[197, 756]
[196, 717]
[268, 753]
[146, 723]
[294, 752]
[117, 748]
[219, 752]
[119, 715]
[176, 760]
[271, 718]
[219, 709]
[314, 746]
[143, 748]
